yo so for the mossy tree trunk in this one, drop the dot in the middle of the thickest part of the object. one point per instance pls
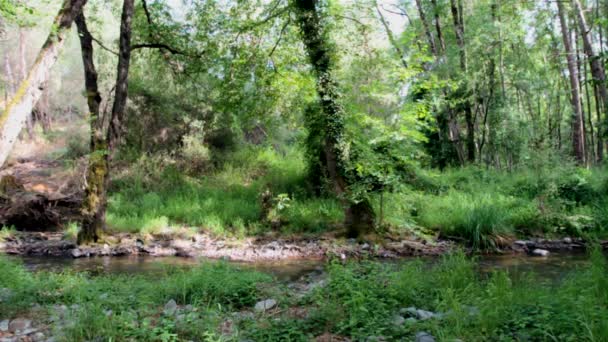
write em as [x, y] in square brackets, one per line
[93, 206]
[29, 91]
[359, 215]
[98, 173]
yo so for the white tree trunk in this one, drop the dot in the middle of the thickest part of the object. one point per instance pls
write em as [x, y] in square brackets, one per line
[20, 106]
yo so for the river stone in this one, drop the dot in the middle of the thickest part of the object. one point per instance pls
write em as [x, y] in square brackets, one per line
[38, 336]
[540, 252]
[4, 325]
[567, 240]
[19, 324]
[170, 308]
[265, 305]
[424, 315]
[5, 294]
[398, 320]
[424, 337]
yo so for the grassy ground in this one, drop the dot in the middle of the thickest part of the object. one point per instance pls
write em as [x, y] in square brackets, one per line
[361, 301]
[482, 208]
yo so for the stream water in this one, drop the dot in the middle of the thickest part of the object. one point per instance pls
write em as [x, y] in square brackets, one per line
[554, 267]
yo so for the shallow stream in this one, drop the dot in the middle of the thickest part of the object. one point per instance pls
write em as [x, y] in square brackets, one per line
[554, 267]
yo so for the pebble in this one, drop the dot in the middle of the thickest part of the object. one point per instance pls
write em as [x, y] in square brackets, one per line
[4, 325]
[424, 337]
[265, 305]
[540, 252]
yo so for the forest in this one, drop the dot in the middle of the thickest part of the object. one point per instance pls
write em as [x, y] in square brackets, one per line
[303, 170]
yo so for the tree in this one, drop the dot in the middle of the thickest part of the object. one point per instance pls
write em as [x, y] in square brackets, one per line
[30, 90]
[578, 138]
[597, 70]
[359, 215]
[98, 173]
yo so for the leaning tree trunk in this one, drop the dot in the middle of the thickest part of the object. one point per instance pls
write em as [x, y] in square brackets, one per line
[30, 89]
[578, 140]
[595, 63]
[94, 205]
[359, 216]
[425, 25]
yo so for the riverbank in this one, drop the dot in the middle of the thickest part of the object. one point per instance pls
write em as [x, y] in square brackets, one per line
[197, 245]
[446, 300]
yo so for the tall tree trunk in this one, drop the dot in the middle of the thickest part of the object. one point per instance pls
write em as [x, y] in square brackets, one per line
[98, 173]
[359, 216]
[457, 17]
[595, 63]
[29, 124]
[427, 30]
[29, 92]
[578, 146]
[441, 47]
[93, 206]
[391, 37]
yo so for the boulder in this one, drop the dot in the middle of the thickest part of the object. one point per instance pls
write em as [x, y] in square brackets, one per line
[265, 305]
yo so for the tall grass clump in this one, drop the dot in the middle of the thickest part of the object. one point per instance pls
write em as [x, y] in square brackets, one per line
[481, 221]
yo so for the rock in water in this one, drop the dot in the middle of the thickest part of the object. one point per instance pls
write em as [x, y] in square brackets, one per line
[424, 337]
[265, 305]
[170, 308]
[19, 324]
[540, 252]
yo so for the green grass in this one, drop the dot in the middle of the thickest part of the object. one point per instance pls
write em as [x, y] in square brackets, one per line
[226, 201]
[358, 300]
[136, 302]
[481, 208]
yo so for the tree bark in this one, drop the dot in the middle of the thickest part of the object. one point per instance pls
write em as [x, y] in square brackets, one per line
[29, 92]
[595, 64]
[98, 173]
[578, 146]
[10, 78]
[359, 215]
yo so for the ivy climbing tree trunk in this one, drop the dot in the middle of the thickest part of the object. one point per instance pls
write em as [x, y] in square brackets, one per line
[29, 91]
[359, 214]
[98, 173]
[578, 139]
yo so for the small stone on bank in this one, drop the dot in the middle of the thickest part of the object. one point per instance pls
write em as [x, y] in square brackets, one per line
[265, 305]
[424, 337]
[398, 320]
[4, 325]
[170, 308]
[540, 252]
[19, 324]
